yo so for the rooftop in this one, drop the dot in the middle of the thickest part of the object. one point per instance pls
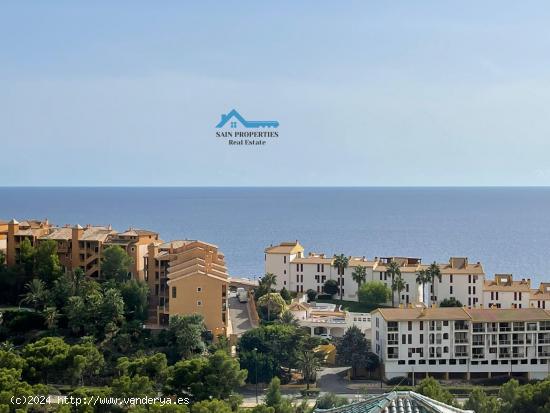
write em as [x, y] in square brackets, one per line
[461, 313]
[285, 248]
[398, 402]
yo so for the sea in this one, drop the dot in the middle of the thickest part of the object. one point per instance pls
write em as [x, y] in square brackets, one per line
[506, 229]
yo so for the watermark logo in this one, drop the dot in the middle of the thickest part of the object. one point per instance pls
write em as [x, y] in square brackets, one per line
[233, 126]
[235, 117]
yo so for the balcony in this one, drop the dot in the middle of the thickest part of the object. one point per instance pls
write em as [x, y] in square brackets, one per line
[461, 354]
[461, 325]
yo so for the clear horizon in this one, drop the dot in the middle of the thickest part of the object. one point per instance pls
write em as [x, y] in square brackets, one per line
[420, 94]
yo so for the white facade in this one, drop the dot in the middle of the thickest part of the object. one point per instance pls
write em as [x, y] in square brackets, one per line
[462, 343]
[322, 318]
[299, 273]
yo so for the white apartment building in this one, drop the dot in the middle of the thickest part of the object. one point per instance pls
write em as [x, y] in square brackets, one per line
[462, 343]
[299, 273]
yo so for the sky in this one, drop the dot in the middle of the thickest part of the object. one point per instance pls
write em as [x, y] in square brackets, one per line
[367, 93]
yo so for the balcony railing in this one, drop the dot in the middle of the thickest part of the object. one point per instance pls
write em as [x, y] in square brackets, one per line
[461, 354]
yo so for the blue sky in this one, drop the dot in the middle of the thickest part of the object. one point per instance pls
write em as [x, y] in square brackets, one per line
[367, 93]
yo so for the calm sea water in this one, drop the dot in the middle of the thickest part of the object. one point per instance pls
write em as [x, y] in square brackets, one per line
[507, 229]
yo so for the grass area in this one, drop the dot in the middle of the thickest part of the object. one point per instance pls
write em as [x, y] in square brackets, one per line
[352, 306]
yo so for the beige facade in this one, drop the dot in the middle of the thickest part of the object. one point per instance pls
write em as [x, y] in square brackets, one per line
[19, 231]
[187, 277]
[3, 235]
[80, 247]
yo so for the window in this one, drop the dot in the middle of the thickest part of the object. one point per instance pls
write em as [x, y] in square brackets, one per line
[422, 325]
[174, 292]
[451, 278]
[199, 289]
[284, 259]
[199, 303]
[451, 289]
[469, 278]
[403, 339]
[409, 325]
[421, 338]
[410, 338]
[406, 288]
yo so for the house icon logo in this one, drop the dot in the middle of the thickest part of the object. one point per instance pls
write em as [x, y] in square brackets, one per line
[234, 118]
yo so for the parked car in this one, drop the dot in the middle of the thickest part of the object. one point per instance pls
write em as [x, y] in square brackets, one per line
[325, 335]
[242, 295]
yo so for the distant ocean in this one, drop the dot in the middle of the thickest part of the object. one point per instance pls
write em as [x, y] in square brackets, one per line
[507, 229]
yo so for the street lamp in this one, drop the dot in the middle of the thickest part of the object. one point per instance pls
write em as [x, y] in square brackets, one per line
[256, 371]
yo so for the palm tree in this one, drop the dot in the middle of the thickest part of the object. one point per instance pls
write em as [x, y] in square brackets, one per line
[393, 270]
[309, 364]
[422, 278]
[50, 316]
[359, 275]
[287, 318]
[268, 281]
[433, 273]
[36, 293]
[398, 285]
[340, 262]
[78, 276]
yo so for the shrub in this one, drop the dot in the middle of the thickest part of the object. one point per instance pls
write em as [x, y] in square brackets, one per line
[310, 392]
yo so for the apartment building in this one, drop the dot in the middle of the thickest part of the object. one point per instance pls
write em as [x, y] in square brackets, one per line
[19, 231]
[462, 343]
[80, 247]
[504, 292]
[298, 272]
[187, 277]
[3, 236]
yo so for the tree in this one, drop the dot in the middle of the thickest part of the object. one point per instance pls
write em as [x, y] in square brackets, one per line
[45, 358]
[431, 388]
[36, 295]
[359, 275]
[46, 262]
[286, 295]
[271, 304]
[287, 317]
[50, 317]
[187, 331]
[353, 350]
[311, 295]
[479, 402]
[309, 363]
[330, 287]
[137, 386]
[392, 269]
[266, 285]
[340, 262]
[217, 376]
[26, 256]
[115, 264]
[422, 278]
[271, 350]
[111, 314]
[450, 302]
[433, 272]
[154, 366]
[398, 284]
[374, 293]
[134, 294]
[330, 401]
[83, 362]
[274, 399]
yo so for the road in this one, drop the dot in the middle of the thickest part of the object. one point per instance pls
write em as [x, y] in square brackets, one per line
[238, 312]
